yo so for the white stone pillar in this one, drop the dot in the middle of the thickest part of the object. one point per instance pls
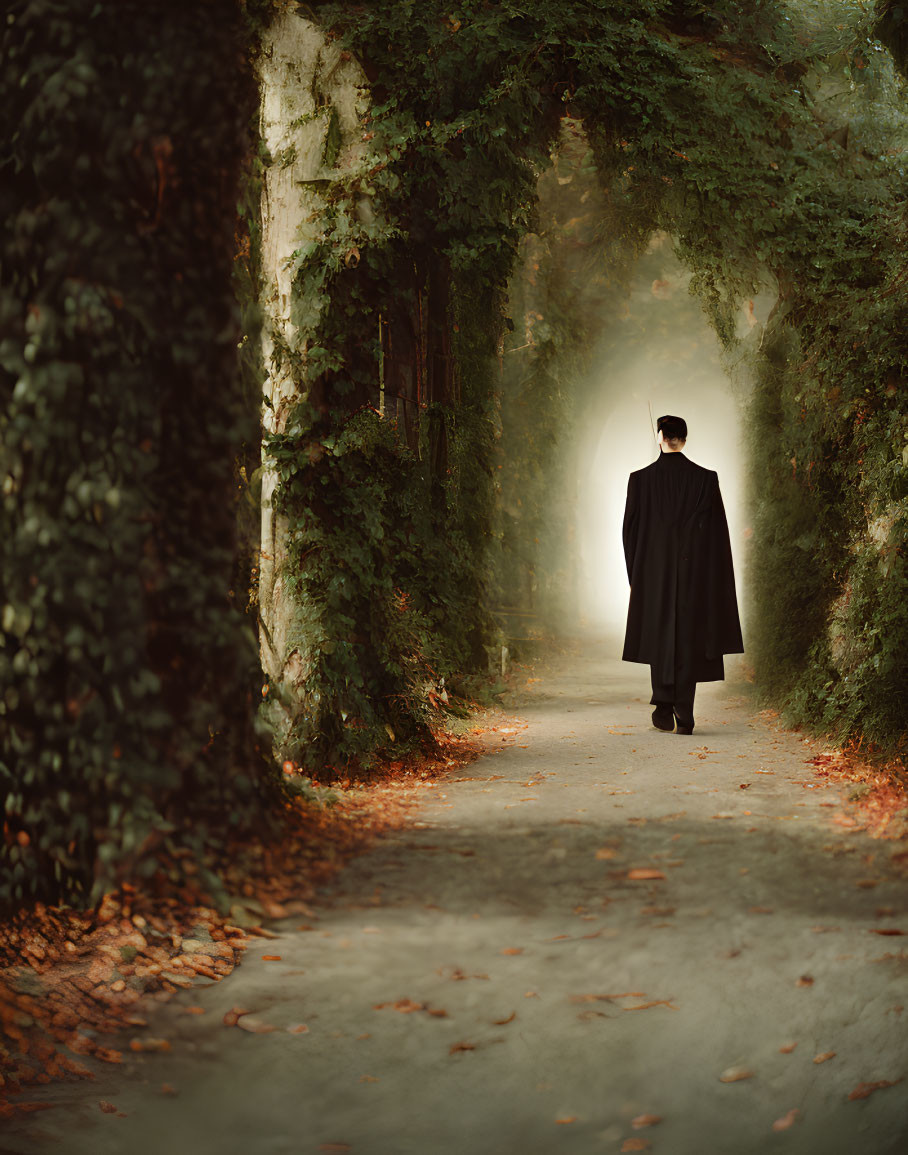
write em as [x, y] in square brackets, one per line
[314, 98]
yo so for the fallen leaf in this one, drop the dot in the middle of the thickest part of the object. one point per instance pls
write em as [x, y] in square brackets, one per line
[865, 1090]
[805, 981]
[606, 852]
[655, 1003]
[566, 1119]
[786, 1121]
[255, 1026]
[607, 998]
[462, 1047]
[503, 1022]
[558, 937]
[107, 1108]
[825, 1057]
[512, 950]
[645, 1121]
[735, 1074]
[271, 958]
[233, 1016]
[168, 1089]
[297, 1029]
[641, 873]
[890, 930]
[635, 1145]
[787, 1048]
[193, 1010]
[368, 1079]
[149, 1045]
[405, 1006]
[743, 785]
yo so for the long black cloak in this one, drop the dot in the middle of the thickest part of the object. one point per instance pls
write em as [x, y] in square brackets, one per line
[683, 610]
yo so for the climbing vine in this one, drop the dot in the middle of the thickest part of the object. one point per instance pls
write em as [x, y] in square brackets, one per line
[128, 673]
[703, 121]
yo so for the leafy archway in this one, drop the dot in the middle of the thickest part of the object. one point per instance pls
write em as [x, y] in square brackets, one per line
[702, 122]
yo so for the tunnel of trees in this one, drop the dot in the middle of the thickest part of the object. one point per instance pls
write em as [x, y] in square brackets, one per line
[479, 182]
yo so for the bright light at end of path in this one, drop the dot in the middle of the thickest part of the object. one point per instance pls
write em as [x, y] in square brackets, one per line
[625, 443]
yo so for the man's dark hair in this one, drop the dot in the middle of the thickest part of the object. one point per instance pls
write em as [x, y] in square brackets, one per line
[672, 427]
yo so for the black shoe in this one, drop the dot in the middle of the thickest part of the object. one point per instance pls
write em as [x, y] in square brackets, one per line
[684, 729]
[663, 718]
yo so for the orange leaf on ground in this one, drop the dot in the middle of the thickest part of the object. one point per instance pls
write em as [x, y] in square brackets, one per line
[503, 1022]
[825, 1057]
[297, 1029]
[645, 1121]
[890, 930]
[255, 1026]
[149, 1045]
[787, 1048]
[786, 1121]
[512, 950]
[368, 1078]
[271, 958]
[640, 873]
[566, 1119]
[233, 1016]
[735, 1074]
[462, 1047]
[865, 1090]
[107, 1108]
[805, 981]
[606, 852]
[193, 1010]
[654, 1003]
[635, 1145]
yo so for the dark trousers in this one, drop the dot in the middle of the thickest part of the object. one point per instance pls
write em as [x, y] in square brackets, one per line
[677, 695]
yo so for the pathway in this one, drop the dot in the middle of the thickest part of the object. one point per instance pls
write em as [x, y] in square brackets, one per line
[495, 979]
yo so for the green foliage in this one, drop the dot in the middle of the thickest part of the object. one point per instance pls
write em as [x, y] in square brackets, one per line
[760, 138]
[128, 674]
[718, 123]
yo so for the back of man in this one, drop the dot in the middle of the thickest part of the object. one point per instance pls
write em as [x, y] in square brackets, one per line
[683, 612]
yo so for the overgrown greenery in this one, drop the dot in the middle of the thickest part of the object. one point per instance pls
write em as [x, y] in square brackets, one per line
[127, 670]
[703, 121]
[128, 673]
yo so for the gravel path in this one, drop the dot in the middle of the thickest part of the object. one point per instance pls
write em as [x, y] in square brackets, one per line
[496, 980]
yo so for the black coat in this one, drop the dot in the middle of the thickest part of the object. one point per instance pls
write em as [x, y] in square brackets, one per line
[683, 611]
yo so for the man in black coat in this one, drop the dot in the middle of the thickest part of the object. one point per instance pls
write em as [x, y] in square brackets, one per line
[683, 613]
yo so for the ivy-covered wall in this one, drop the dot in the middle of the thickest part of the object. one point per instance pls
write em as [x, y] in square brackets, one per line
[707, 122]
[128, 672]
[766, 142]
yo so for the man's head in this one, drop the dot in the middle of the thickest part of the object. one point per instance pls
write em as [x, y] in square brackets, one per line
[672, 432]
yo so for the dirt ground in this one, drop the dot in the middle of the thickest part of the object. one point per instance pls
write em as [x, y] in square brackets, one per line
[597, 938]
